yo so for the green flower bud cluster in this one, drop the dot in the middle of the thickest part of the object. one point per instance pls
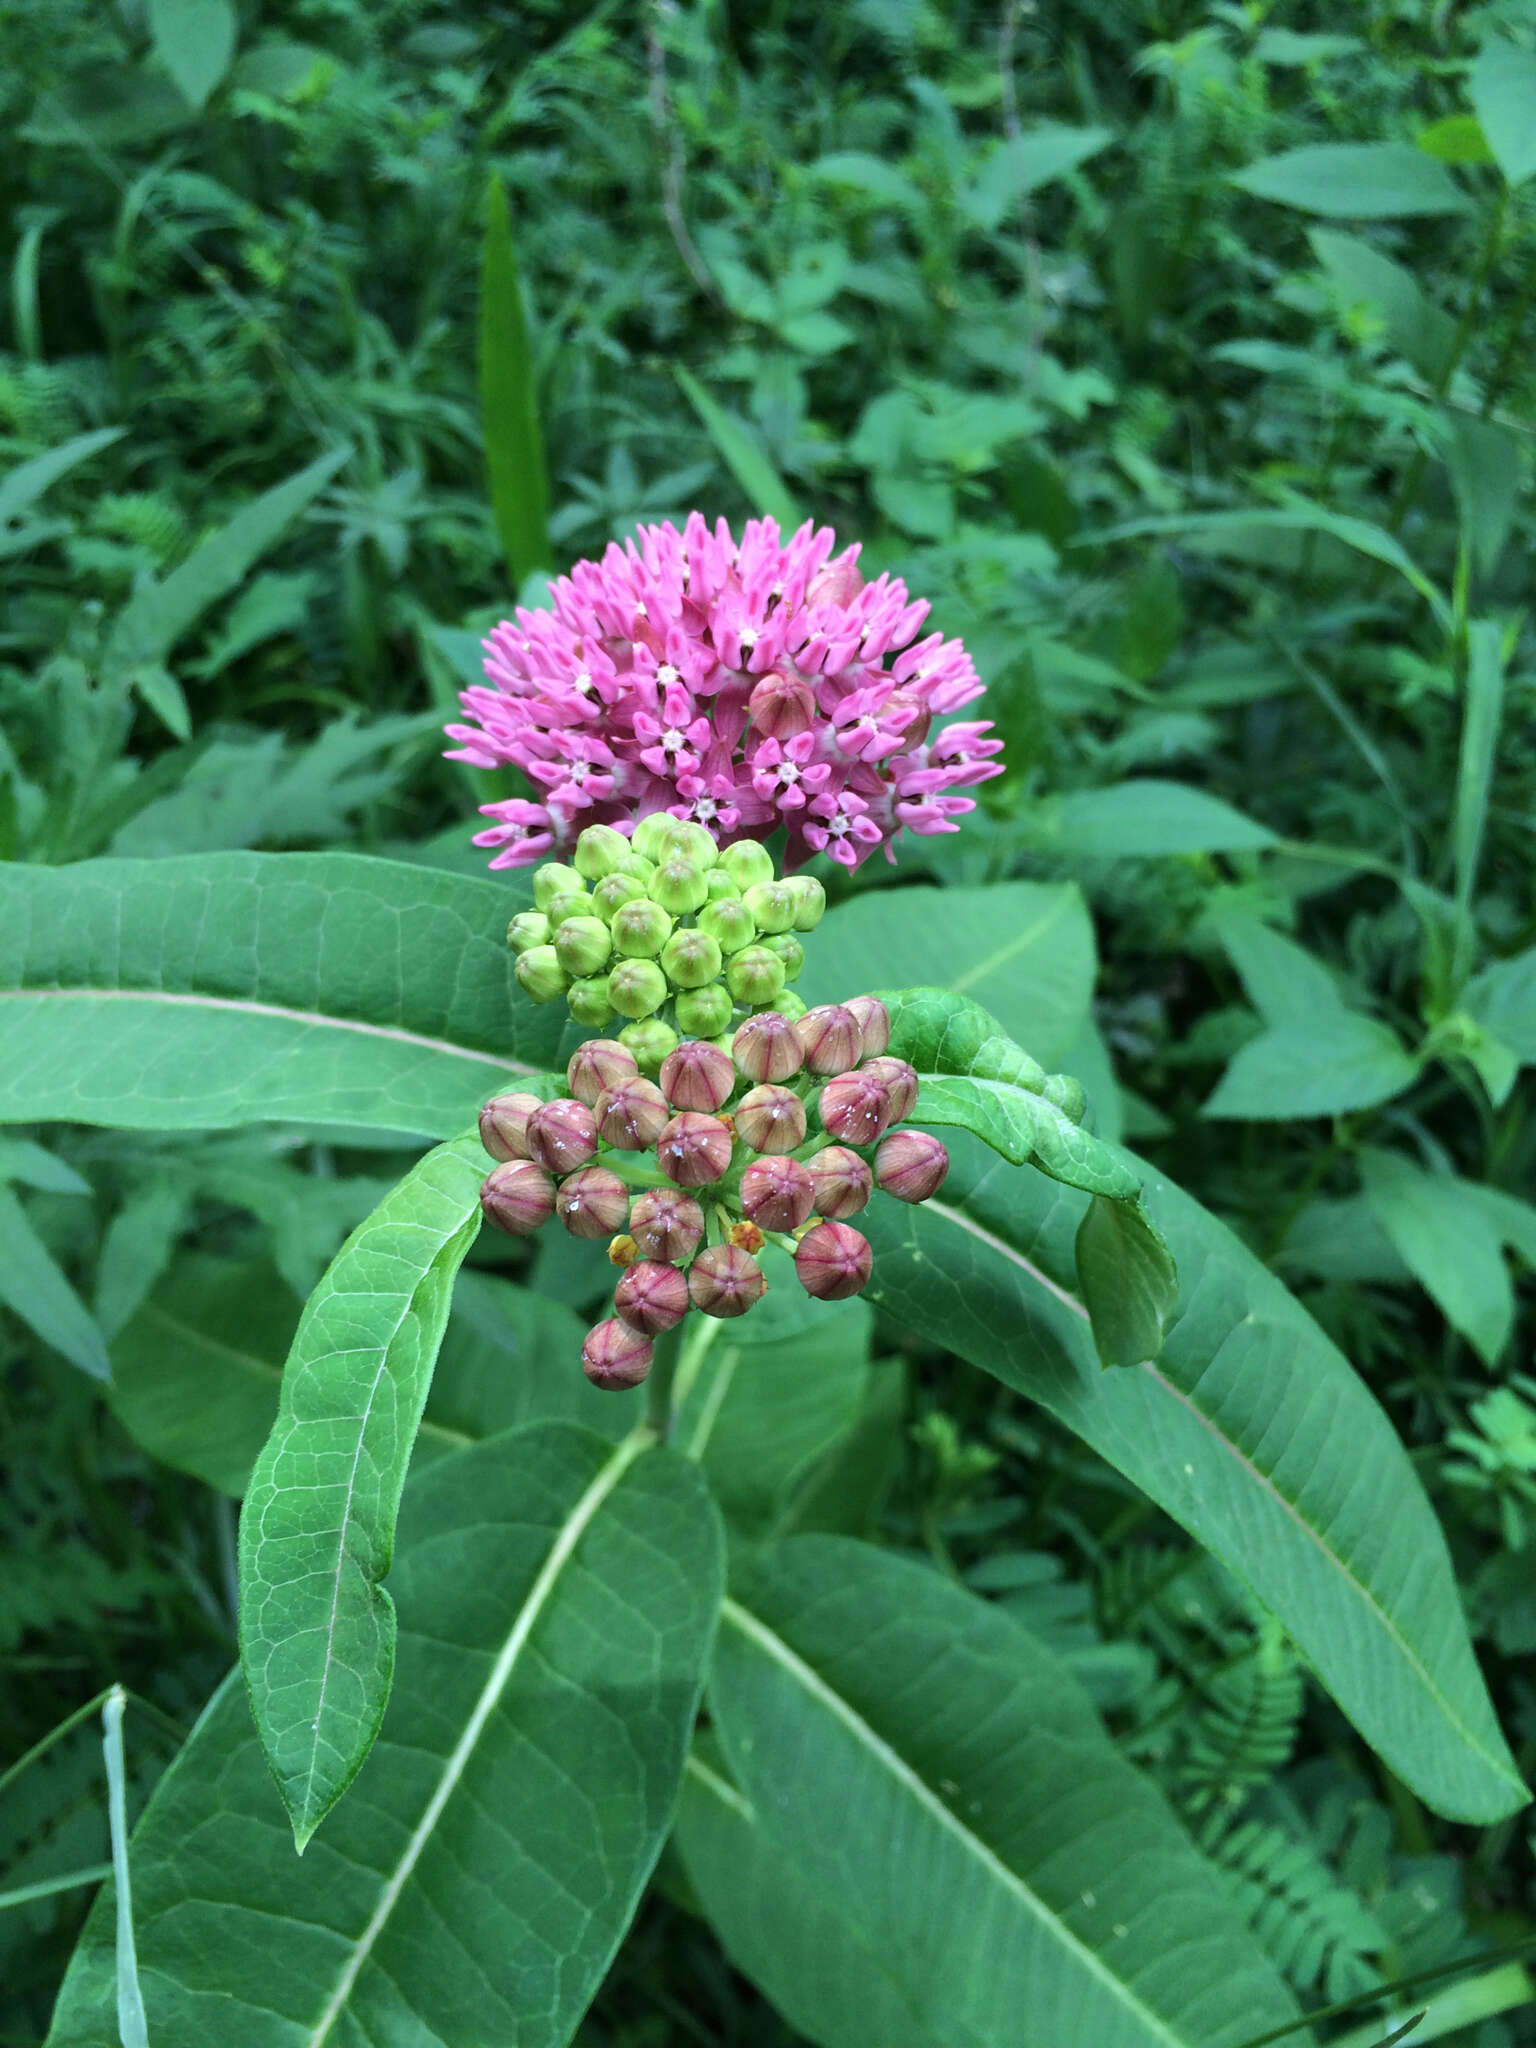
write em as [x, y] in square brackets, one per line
[667, 931]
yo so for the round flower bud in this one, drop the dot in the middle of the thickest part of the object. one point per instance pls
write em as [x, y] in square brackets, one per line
[637, 987]
[754, 976]
[911, 1165]
[640, 928]
[615, 1357]
[651, 1297]
[840, 1180]
[729, 923]
[612, 892]
[777, 1194]
[770, 1119]
[694, 1149]
[539, 974]
[551, 879]
[1065, 1093]
[747, 1236]
[567, 903]
[650, 1041]
[786, 947]
[772, 905]
[704, 1012]
[528, 929]
[517, 1197]
[639, 867]
[830, 1038]
[666, 1225]
[600, 1063]
[582, 945]
[589, 1004]
[749, 861]
[600, 851]
[874, 1022]
[790, 1006]
[631, 1115]
[661, 837]
[810, 902]
[720, 882]
[690, 958]
[678, 886]
[854, 1109]
[832, 1261]
[593, 1202]
[898, 1080]
[561, 1135]
[725, 1281]
[504, 1125]
[780, 705]
[652, 836]
[697, 1076]
[767, 1049]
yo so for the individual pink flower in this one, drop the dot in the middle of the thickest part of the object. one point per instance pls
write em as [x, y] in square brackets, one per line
[746, 684]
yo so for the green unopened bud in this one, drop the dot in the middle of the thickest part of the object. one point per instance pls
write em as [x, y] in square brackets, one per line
[613, 891]
[528, 929]
[679, 886]
[720, 882]
[566, 903]
[600, 851]
[589, 1002]
[704, 1012]
[789, 1006]
[549, 879]
[729, 923]
[636, 988]
[640, 928]
[540, 975]
[582, 945]
[1066, 1094]
[749, 861]
[786, 947]
[773, 904]
[650, 1042]
[690, 958]
[810, 902]
[637, 865]
[653, 835]
[755, 976]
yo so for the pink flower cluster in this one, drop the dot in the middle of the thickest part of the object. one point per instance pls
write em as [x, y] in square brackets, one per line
[744, 686]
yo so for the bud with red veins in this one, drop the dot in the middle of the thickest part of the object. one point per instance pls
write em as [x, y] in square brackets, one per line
[694, 1149]
[767, 1048]
[781, 705]
[854, 1108]
[517, 1197]
[725, 1281]
[562, 1134]
[697, 1076]
[651, 1297]
[632, 1116]
[899, 1082]
[841, 1182]
[615, 1357]
[777, 1194]
[831, 1038]
[666, 1225]
[874, 1021]
[832, 1261]
[911, 1165]
[593, 1202]
[770, 1119]
[504, 1125]
[838, 583]
[600, 1063]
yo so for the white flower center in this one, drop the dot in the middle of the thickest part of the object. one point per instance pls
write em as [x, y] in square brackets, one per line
[748, 638]
[667, 675]
[583, 684]
[705, 807]
[789, 773]
[672, 740]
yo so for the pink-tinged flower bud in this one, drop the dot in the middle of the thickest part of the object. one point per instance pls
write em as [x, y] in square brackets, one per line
[666, 1225]
[651, 1297]
[697, 1076]
[840, 1181]
[517, 1197]
[593, 1202]
[770, 1119]
[777, 1194]
[830, 1038]
[854, 1109]
[832, 1261]
[615, 1357]
[874, 1022]
[600, 1063]
[632, 1116]
[562, 1134]
[911, 1165]
[780, 705]
[693, 1150]
[725, 1281]
[899, 1082]
[504, 1125]
[767, 1048]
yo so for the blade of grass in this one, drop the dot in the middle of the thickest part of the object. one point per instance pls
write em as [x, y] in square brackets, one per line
[1474, 773]
[764, 487]
[514, 446]
[132, 2027]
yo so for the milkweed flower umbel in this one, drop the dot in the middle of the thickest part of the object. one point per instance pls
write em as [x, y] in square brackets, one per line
[742, 685]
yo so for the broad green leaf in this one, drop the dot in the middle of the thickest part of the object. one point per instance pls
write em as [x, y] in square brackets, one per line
[509, 400]
[1450, 1243]
[196, 993]
[195, 41]
[1503, 1000]
[33, 1288]
[317, 1630]
[939, 1791]
[764, 489]
[1250, 1429]
[1355, 181]
[1285, 983]
[1485, 466]
[1336, 1062]
[1414, 325]
[1128, 1281]
[1148, 817]
[1503, 93]
[1025, 163]
[22, 486]
[557, 1599]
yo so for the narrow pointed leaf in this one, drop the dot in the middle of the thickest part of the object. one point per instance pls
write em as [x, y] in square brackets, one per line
[557, 1599]
[33, 1288]
[317, 1630]
[22, 486]
[765, 490]
[509, 400]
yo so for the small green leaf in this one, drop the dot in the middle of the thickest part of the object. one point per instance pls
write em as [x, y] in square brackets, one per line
[1503, 94]
[1450, 1242]
[1128, 1281]
[1415, 326]
[1022, 165]
[195, 41]
[1456, 139]
[1336, 1062]
[36, 1167]
[765, 490]
[509, 400]
[1503, 1000]
[26, 483]
[1355, 181]
[1147, 817]
[33, 1288]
